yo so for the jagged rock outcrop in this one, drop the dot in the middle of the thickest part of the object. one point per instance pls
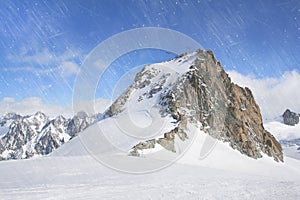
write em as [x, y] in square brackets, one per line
[202, 93]
[290, 118]
[168, 141]
[37, 134]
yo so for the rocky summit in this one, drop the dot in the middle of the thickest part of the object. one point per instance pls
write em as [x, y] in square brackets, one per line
[194, 88]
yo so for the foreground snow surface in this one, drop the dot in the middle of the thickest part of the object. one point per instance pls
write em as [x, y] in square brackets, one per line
[84, 178]
[72, 172]
[223, 174]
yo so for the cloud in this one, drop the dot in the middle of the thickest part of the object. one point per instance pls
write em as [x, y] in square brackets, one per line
[42, 58]
[31, 105]
[44, 62]
[273, 95]
[65, 69]
[68, 68]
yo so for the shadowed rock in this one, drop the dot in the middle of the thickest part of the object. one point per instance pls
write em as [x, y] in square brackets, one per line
[290, 118]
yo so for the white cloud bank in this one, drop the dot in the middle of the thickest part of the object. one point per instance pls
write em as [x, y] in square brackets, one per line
[29, 106]
[65, 69]
[273, 95]
[32, 105]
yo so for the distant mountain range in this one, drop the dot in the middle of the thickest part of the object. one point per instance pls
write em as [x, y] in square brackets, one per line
[34, 135]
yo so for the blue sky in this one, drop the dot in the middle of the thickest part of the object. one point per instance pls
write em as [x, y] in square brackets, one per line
[43, 43]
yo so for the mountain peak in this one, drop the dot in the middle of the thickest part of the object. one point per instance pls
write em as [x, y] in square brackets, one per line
[40, 114]
[194, 88]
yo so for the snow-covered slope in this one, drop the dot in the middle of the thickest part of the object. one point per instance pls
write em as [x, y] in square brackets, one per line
[91, 143]
[77, 171]
[72, 173]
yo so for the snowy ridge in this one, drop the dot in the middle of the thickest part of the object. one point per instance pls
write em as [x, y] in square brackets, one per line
[142, 104]
[152, 81]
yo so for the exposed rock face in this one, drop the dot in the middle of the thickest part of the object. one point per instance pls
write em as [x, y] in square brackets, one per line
[290, 118]
[244, 128]
[205, 94]
[28, 136]
[168, 141]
